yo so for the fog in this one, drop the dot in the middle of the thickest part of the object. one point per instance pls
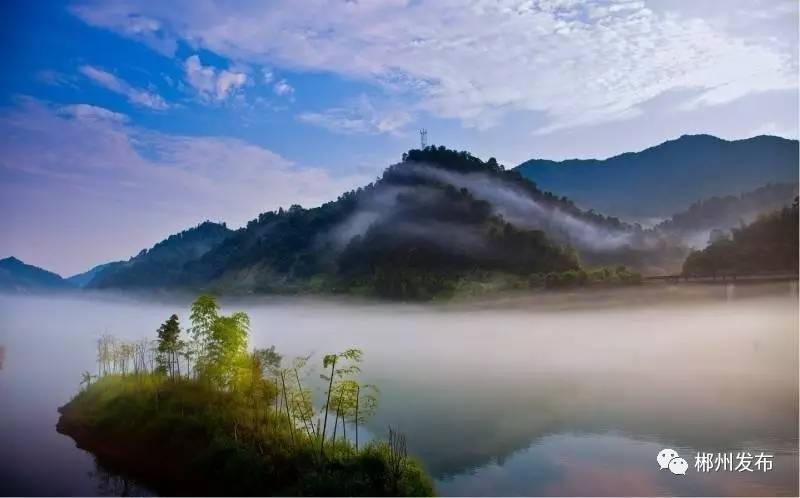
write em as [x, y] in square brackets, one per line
[383, 204]
[517, 207]
[569, 393]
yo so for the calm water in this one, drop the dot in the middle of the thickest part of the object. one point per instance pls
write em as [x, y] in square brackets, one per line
[553, 395]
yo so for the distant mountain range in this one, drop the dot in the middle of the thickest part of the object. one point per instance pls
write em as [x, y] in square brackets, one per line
[160, 265]
[659, 181]
[441, 216]
[18, 277]
[151, 268]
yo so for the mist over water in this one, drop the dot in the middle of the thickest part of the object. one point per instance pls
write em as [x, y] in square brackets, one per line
[552, 394]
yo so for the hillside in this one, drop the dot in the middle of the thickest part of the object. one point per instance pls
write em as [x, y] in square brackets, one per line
[162, 264]
[83, 279]
[434, 219]
[16, 276]
[727, 212]
[661, 180]
[768, 245]
[408, 235]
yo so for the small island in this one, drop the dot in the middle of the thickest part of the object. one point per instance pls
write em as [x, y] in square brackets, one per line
[202, 415]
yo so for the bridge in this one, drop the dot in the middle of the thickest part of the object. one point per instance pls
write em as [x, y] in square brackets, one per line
[722, 277]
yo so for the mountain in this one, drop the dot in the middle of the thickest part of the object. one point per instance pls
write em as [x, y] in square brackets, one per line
[160, 265]
[724, 213]
[83, 279]
[16, 276]
[408, 235]
[661, 180]
[431, 220]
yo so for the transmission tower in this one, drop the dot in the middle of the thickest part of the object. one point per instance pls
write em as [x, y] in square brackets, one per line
[423, 138]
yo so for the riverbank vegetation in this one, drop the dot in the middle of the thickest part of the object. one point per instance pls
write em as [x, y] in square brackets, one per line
[198, 413]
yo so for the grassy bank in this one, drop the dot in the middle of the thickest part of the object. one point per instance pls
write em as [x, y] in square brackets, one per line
[185, 437]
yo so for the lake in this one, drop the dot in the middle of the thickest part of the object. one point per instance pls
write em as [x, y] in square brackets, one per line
[562, 394]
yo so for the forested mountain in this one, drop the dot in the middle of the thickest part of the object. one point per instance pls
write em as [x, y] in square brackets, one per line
[16, 276]
[661, 180]
[730, 211]
[720, 214]
[83, 279]
[769, 244]
[437, 218]
[434, 218]
[407, 235]
[162, 264]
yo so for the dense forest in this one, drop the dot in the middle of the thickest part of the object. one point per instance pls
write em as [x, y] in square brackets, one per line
[436, 218]
[769, 244]
[196, 412]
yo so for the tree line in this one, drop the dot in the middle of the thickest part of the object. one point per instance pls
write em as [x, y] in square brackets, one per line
[769, 244]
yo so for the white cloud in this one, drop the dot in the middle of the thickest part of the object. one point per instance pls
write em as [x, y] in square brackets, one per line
[282, 88]
[148, 30]
[360, 117]
[85, 112]
[134, 95]
[211, 83]
[85, 163]
[575, 63]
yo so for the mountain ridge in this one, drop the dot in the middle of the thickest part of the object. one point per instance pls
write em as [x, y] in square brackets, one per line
[430, 219]
[20, 277]
[159, 264]
[658, 181]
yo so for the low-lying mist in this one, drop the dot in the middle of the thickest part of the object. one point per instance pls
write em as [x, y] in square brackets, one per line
[470, 383]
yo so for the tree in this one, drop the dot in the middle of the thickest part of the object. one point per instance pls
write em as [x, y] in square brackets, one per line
[203, 315]
[220, 342]
[86, 379]
[168, 346]
[330, 361]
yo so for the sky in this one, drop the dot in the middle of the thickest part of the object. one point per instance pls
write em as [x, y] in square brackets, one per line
[122, 122]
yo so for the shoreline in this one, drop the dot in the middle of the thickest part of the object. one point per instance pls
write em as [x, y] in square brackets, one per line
[184, 438]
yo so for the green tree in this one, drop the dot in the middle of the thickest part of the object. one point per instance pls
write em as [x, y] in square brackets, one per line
[203, 315]
[168, 346]
[221, 343]
[347, 362]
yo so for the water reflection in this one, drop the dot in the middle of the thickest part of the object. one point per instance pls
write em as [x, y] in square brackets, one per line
[110, 483]
[562, 395]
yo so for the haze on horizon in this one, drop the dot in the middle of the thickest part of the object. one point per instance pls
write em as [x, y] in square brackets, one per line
[123, 122]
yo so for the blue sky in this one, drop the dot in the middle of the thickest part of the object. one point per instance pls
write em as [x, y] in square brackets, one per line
[124, 121]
